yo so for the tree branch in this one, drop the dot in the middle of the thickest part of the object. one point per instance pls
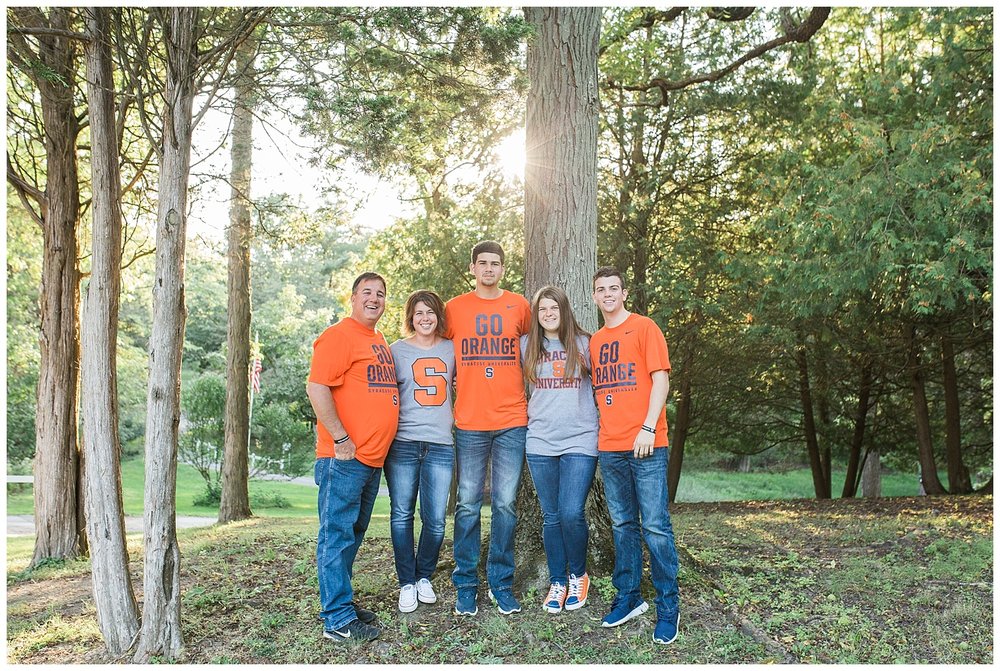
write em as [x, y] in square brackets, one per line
[54, 32]
[647, 20]
[800, 33]
[24, 190]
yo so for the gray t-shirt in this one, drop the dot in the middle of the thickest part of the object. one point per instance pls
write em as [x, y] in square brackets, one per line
[426, 378]
[562, 416]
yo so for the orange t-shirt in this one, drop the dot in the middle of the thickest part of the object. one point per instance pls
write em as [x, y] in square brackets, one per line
[623, 359]
[486, 334]
[355, 362]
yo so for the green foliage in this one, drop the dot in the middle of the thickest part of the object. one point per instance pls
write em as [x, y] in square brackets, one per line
[24, 271]
[201, 442]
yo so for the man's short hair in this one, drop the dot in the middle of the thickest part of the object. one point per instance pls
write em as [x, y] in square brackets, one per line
[607, 271]
[363, 277]
[487, 247]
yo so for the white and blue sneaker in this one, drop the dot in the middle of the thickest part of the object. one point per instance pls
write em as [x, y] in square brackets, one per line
[666, 629]
[506, 603]
[624, 610]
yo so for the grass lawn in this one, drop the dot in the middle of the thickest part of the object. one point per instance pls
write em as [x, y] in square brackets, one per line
[705, 486]
[190, 485]
[695, 486]
[887, 581]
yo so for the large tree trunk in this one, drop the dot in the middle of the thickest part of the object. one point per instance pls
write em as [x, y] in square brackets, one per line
[235, 504]
[560, 223]
[56, 470]
[959, 481]
[560, 194]
[161, 615]
[821, 476]
[858, 439]
[114, 598]
[59, 533]
[925, 442]
[682, 422]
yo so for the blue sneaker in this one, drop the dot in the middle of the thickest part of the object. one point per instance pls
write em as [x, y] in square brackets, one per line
[466, 604]
[506, 603]
[623, 610]
[666, 629]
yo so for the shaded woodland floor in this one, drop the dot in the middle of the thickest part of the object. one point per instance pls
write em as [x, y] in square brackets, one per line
[895, 580]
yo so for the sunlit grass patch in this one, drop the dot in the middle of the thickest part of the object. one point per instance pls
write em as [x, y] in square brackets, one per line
[79, 633]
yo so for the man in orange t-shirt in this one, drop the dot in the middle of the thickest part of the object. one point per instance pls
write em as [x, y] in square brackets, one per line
[491, 420]
[352, 388]
[631, 368]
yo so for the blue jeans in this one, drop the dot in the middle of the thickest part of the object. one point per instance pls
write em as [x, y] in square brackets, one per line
[347, 491]
[411, 467]
[504, 451]
[562, 484]
[637, 489]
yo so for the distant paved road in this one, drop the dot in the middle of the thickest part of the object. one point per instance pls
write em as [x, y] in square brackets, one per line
[24, 525]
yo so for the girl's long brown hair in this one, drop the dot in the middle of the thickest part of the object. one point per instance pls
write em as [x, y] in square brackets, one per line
[569, 331]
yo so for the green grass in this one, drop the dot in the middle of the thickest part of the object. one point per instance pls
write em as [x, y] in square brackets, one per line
[695, 486]
[190, 485]
[712, 485]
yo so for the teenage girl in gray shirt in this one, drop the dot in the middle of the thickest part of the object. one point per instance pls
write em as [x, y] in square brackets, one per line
[561, 447]
[422, 456]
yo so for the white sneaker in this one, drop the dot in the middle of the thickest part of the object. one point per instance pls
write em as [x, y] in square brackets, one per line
[407, 599]
[425, 592]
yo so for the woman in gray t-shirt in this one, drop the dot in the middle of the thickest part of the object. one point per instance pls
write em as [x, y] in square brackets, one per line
[422, 456]
[561, 446]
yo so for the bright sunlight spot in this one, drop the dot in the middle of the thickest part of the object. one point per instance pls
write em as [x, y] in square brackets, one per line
[510, 154]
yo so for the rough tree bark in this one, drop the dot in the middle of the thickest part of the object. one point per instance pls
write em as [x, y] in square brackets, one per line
[560, 194]
[959, 481]
[161, 616]
[858, 439]
[820, 475]
[925, 442]
[114, 598]
[59, 527]
[235, 503]
[560, 221]
[871, 474]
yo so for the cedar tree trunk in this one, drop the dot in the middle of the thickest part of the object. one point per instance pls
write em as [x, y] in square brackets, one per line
[114, 598]
[235, 503]
[821, 476]
[959, 481]
[161, 615]
[59, 529]
[925, 443]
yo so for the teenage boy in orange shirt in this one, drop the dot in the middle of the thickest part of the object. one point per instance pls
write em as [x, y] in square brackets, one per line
[352, 388]
[491, 420]
[631, 370]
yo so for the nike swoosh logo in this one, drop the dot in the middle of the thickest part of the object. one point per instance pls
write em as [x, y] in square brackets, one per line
[627, 332]
[509, 307]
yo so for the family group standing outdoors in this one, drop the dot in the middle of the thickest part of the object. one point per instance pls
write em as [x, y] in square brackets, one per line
[529, 383]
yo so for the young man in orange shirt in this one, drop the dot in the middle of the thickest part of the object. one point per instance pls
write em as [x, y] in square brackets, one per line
[352, 388]
[491, 420]
[631, 368]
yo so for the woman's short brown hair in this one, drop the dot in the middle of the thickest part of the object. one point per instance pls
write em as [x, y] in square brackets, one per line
[431, 300]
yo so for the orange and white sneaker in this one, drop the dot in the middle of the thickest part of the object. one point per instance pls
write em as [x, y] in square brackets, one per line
[555, 599]
[578, 588]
